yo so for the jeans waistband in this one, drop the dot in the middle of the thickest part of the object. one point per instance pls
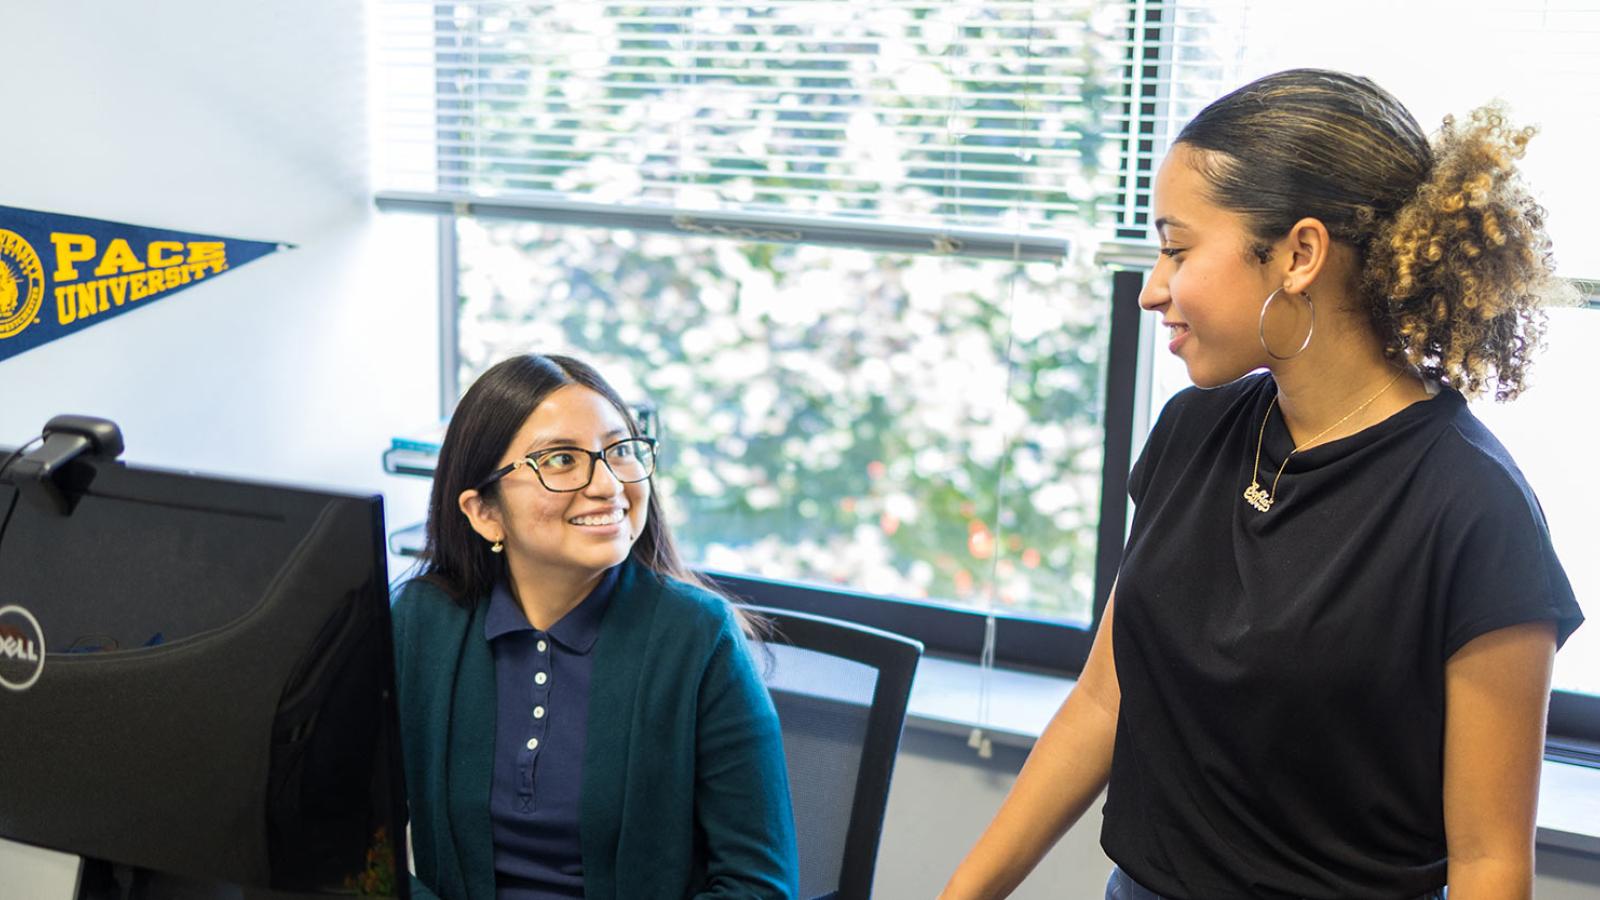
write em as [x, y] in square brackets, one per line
[1120, 887]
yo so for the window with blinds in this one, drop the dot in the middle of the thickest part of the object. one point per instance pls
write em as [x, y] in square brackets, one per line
[1001, 116]
[827, 240]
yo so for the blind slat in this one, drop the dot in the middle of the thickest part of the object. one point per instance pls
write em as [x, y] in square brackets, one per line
[1068, 100]
[696, 136]
[705, 73]
[952, 187]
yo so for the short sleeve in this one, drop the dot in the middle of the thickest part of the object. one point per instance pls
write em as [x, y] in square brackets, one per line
[1502, 568]
[1139, 475]
[1155, 444]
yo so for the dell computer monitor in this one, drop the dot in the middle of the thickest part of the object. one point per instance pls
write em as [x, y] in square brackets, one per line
[196, 680]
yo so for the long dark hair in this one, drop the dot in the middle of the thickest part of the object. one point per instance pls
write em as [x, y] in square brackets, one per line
[487, 419]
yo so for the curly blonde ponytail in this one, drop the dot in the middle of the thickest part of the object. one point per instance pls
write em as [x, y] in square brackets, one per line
[1457, 279]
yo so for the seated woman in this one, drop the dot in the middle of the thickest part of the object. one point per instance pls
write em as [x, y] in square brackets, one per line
[580, 715]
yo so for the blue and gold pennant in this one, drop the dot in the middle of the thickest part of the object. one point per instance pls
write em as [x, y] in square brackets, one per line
[61, 274]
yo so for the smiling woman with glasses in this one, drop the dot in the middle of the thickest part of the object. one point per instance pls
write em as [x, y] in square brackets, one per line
[580, 714]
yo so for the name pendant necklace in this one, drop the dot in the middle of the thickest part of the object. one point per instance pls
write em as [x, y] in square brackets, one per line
[1260, 499]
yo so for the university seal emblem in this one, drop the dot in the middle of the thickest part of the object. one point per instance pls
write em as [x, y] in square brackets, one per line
[21, 284]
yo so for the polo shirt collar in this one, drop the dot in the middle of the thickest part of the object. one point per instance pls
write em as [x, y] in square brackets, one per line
[576, 631]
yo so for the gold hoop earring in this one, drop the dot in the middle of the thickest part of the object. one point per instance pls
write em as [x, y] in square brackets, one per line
[496, 547]
[1261, 326]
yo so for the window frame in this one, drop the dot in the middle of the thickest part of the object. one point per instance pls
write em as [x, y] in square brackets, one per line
[1033, 643]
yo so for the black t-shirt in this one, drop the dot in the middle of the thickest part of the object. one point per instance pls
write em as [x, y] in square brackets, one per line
[1282, 673]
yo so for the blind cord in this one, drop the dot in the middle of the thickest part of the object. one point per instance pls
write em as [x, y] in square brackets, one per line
[978, 739]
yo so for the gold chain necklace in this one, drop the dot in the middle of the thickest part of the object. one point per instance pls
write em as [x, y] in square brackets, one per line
[1262, 500]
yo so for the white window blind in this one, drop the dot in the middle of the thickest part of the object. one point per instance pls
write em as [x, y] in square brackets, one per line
[1004, 116]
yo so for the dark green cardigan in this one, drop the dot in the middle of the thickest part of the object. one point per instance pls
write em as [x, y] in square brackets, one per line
[685, 793]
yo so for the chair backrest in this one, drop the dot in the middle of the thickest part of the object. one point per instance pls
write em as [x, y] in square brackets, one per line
[841, 691]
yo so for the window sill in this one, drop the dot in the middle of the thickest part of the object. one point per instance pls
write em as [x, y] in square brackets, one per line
[946, 699]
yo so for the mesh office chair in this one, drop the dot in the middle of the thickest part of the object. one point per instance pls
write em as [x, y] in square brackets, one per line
[841, 691]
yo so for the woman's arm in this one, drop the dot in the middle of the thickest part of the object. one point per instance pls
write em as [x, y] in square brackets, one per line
[741, 782]
[1497, 689]
[1066, 771]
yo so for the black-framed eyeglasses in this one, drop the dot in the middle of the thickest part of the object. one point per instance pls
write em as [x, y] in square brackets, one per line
[562, 469]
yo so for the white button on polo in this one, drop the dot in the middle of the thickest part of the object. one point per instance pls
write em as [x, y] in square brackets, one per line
[538, 712]
[540, 678]
[543, 646]
[533, 743]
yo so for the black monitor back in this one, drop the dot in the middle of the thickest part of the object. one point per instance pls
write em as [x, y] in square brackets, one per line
[215, 696]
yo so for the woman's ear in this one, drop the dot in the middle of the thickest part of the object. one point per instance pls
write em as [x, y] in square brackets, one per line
[482, 515]
[1308, 247]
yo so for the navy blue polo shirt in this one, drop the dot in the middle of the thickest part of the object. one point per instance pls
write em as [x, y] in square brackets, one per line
[542, 718]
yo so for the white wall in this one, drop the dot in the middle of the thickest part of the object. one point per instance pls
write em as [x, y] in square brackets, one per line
[247, 120]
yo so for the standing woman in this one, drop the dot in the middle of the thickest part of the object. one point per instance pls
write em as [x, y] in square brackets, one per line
[1324, 668]
[580, 716]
